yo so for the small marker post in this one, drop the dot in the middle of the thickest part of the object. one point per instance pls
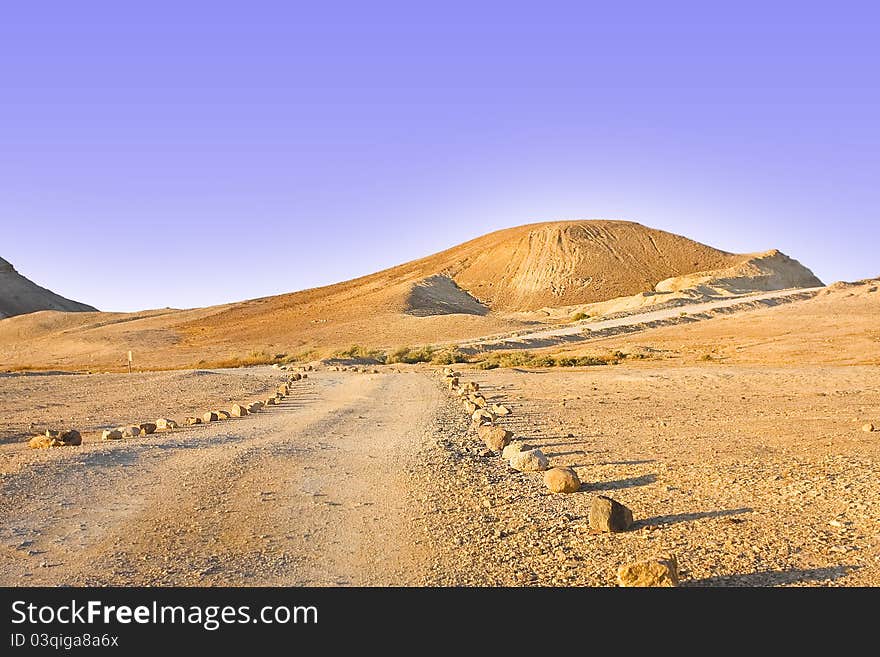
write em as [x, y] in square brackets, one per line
[129, 362]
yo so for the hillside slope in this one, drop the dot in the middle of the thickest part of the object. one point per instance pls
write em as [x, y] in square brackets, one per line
[19, 295]
[837, 326]
[492, 284]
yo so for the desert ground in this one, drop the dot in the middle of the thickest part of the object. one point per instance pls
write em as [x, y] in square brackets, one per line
[730, 401]
[737, 440]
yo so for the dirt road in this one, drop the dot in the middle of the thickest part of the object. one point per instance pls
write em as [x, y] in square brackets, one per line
[312, 492]
[636, 320]
[757, 477]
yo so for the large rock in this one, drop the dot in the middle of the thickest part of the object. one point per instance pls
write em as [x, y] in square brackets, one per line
[192, 420]
[514, 448]
[223, 415]
[165, 424]
[296, 376]
[479, 400]
[272, 401]
[868, 428]
[533, 460]
[495, 438]
[238, 410]
[608, 515]
[130, 431]
[453, 383]
[470, 407]
[284, 390]
[662, 571]
[55, 438]
[253, 408]
[210, 416]
[70, 437]
[562, 480]
[148, 427]
[42, 442]
[499, 409]
[471, 386]
[482, 416]
[111, 434]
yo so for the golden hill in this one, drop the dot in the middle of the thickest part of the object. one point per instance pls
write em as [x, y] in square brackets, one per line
[488, 285]
[838, 326]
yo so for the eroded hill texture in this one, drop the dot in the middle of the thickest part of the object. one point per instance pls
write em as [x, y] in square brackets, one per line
[498, 282]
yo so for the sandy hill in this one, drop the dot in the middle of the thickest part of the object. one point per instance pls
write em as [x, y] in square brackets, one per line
[758, 272]
[19, 296]
[491, 284]
[837, 326]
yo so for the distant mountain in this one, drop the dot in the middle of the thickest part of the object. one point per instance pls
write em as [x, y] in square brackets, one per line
[19, 296]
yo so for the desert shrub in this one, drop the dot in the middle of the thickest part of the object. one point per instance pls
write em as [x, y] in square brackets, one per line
[581, 361]
[411, 355]
[515, 359]
[247, 360]
[579, 316]
[448, 357]
[357, 351]
[301, 357]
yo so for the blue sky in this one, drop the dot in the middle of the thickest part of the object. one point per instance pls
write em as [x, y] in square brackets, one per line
[185, 154]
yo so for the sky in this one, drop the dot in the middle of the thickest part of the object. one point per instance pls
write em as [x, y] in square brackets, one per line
[191, 153]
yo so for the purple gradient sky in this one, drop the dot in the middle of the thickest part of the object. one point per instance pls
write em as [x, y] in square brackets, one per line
[188, 154]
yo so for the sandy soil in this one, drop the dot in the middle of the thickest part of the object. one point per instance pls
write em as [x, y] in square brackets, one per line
[31, 403]
[760, 477]
[838, 325]
[313, 492]
[751, 466]
[755, 477]
[638, 320]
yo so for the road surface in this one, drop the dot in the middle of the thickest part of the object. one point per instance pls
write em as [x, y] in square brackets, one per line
[312, 492]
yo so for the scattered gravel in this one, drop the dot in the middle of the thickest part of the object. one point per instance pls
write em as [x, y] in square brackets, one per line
[755, 477]
[31, 403]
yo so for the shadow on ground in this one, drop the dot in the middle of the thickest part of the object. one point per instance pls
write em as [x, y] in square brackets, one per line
[617, 484]
[775, 577]
[689, 517]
